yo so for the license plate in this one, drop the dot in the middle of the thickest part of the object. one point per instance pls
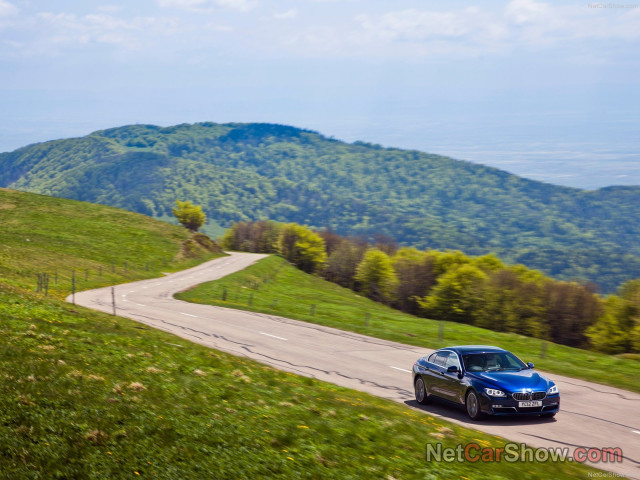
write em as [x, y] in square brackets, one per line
[531, 403]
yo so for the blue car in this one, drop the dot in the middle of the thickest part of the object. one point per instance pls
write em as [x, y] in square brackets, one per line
[486, 380]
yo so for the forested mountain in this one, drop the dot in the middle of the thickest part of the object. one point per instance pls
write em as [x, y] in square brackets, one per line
[254, 171]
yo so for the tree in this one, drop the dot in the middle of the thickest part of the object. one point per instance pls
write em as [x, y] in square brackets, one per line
[189, 215]
[416, 277]
[618, 329]
[511, 303]
[612, 333]
[302, 247]
[342, 263]
[257, 237]
[457, 296]
[376, 275]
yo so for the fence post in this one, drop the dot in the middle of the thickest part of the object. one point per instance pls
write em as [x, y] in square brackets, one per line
[73, 286]
[313, 309]
[113, 299]
[543, 349]
[251, 299]
[366, 319]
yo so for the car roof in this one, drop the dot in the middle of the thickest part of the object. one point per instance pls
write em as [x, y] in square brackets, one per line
[474, 349]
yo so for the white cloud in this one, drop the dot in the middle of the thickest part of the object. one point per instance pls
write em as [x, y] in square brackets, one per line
[527, 12]
[7, 8]
[539, 24]
[472, 30]
[288, 15]
[64, 29]
[109, 8]
[208, 5]
[423, 32]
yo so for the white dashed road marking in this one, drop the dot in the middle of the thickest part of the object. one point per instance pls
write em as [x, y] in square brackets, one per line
[274, 336]
[401, 369]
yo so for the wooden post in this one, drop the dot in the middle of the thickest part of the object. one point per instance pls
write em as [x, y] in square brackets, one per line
[113, 299]
[543, 349]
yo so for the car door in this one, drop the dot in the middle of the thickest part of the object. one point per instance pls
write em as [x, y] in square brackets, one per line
[431, 372]
[451, 383]
[437, 374]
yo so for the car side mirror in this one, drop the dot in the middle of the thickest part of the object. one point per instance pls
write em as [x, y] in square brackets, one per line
[530, 365]
[452, 369]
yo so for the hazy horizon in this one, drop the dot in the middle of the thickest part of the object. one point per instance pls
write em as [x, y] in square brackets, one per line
[546, 91]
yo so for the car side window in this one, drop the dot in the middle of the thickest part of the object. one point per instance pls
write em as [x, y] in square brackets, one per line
[453, 361]
[441, 359]
[432, 357]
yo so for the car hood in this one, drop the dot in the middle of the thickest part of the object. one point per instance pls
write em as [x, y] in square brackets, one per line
[515, 381]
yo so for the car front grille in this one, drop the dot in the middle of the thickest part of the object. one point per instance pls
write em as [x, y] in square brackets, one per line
[529, 396]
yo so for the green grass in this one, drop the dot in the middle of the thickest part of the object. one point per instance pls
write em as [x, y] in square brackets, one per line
[103, 245]
[273, 286]
[91, 396]
[88, 395]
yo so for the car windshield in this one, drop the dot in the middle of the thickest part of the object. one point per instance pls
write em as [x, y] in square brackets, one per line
[494, 361]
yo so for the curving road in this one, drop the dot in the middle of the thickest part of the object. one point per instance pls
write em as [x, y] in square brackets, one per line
[591, 415]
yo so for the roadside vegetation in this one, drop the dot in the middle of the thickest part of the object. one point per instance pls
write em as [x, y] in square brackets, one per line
[274, 286]
[480, 291]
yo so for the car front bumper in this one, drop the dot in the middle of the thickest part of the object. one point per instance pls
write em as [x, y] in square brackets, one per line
[509, 406]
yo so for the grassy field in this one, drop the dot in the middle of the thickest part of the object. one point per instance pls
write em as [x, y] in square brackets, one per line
[102, 245]
[273, 286]
[91, 396]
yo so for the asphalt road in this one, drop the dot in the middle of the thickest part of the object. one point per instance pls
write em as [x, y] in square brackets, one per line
[591, 415]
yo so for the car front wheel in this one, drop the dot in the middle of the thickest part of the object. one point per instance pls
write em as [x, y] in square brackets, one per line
[422, 396]
[473, 406]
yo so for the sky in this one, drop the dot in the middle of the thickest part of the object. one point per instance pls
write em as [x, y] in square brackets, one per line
[546, 90]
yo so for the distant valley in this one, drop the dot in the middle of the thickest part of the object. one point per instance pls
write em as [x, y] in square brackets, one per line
[254, 171]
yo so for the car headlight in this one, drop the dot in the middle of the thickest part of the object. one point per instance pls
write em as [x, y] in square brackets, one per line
[492, 392]
[553, 390]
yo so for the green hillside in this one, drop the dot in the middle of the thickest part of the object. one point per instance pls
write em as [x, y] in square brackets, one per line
[253, 171]
[98, 245]
[91, 396]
